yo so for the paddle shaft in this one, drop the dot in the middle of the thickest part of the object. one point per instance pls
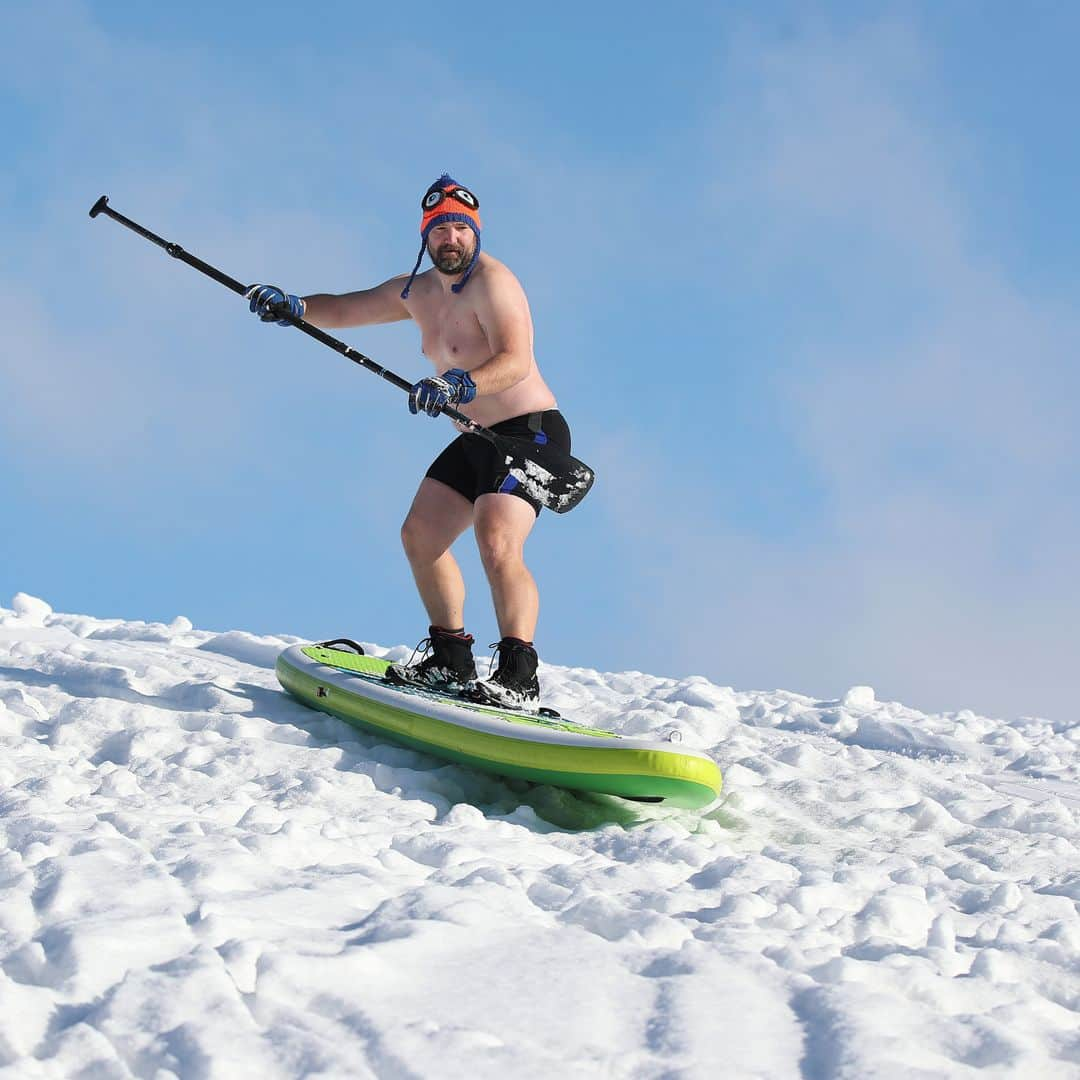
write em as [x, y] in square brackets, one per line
[177, 252]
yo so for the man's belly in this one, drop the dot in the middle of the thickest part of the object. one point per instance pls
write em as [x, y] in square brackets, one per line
[529, 395]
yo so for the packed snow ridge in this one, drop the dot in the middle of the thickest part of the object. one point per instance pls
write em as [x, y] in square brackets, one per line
[199, 877]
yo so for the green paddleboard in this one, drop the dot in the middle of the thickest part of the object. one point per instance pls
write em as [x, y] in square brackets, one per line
[541, 749]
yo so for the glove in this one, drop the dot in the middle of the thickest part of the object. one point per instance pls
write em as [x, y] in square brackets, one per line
[271, 303]
[436, 392]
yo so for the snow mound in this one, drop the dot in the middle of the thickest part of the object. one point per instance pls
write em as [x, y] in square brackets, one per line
[29, 610]
[199, 876]
[859, 697]
[249, 648]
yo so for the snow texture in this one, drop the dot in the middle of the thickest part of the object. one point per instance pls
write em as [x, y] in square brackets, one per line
[199, 877]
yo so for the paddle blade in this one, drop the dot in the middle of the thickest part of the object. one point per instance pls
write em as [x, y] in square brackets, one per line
[545, 472]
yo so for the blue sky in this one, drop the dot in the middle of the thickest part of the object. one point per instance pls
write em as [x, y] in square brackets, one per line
[803, 280]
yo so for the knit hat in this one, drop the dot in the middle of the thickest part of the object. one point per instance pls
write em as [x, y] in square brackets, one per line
[465, 208]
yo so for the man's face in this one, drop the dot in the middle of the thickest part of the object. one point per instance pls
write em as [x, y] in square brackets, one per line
[450, 246]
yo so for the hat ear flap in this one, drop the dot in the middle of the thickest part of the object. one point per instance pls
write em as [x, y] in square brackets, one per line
[416, 268]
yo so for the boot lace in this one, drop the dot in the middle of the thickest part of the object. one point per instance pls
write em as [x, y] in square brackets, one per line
[506, 653]
[427, 645]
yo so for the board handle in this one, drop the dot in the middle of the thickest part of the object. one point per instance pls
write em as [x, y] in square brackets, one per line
[342, 641]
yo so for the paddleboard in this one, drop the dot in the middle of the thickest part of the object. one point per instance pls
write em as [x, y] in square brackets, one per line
[544, 749]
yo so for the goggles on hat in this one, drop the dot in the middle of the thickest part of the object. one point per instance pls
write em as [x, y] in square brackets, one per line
[459, 194]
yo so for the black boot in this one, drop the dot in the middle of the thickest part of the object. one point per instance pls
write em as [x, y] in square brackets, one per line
[447, 666]
[514, 684]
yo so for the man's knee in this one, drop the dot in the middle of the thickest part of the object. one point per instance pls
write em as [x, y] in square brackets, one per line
[502, 524]
[439, 515]
[498, 547]
[410, 535]
[420, 540]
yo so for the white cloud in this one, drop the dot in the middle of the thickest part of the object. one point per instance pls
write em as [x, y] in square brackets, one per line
[941, 566]
[944, 441]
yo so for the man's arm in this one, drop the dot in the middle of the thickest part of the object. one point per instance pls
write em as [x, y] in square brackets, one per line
[503, 312]
[383, 304]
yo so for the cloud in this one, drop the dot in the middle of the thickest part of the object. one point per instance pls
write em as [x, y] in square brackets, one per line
[831, 428]
[143, 390]
[930, 391]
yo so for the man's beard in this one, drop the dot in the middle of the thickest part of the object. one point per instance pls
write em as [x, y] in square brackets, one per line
[450, 259]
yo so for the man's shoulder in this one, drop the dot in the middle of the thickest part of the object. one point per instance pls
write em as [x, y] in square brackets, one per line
[490, 265]
[424, 283]
[494, 275]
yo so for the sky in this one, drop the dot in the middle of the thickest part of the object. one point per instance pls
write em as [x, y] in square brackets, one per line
[803, 282]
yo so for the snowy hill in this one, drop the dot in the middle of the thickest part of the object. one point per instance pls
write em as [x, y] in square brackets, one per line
[201, 878]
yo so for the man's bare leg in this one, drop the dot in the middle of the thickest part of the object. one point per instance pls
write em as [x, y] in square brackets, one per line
[437, 517]
[502, 524]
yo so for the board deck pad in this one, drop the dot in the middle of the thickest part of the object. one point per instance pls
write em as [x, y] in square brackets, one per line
[372, 667]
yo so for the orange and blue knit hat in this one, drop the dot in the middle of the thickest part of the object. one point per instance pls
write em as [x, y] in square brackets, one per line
[446, 200]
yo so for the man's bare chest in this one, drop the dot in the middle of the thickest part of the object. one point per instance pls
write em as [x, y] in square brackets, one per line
[452, 336]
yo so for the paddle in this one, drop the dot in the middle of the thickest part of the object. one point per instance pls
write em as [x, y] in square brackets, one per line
[550, 475]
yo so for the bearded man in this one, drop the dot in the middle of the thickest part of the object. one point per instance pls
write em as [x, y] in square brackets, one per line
[479, 340]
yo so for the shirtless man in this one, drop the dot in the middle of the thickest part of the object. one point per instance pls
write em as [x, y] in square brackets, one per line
[480, 341]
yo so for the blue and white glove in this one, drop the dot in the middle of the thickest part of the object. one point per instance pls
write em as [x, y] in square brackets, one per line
[271, 303]
[436, 392]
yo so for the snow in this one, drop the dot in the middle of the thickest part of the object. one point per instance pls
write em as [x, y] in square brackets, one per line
[201, 878]
[30, 610]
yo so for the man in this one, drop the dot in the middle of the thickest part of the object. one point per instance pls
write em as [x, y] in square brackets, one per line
[476, 330]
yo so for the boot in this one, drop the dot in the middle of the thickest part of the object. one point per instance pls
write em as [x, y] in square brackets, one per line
[513, 685]
[446, 667]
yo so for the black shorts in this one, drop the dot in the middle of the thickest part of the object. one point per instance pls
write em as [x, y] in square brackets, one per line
[473, 467]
